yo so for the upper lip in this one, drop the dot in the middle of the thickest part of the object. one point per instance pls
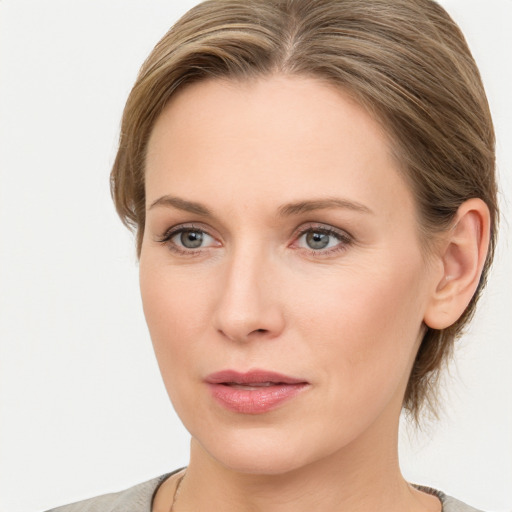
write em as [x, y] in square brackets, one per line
[251, 377]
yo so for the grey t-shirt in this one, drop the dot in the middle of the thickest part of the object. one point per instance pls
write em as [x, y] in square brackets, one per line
[140, 498]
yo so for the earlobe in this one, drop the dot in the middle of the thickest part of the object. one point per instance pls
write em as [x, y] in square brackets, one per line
[462, 256]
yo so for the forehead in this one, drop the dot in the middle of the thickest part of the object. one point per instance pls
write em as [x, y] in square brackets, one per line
[311, 105]
[288, 135]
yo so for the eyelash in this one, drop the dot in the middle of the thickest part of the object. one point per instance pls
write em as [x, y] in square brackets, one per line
[166, 238]
[342, 237]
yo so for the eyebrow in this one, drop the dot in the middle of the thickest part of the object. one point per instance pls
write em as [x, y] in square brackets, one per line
[300, 207]
[181, 204]
[287, 210]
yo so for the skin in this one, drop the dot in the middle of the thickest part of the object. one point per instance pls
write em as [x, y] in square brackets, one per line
[348, 319]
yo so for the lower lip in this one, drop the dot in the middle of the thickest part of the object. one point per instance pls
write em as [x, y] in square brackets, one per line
[256, 400]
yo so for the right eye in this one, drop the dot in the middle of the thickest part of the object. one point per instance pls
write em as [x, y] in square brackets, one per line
[187, 240]
[191, 239]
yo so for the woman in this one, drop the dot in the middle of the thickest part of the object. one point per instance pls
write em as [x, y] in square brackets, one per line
[312, 186]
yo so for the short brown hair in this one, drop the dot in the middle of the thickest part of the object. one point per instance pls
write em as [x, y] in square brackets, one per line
[405, 61]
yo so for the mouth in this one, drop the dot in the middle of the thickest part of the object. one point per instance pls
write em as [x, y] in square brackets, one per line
[253, 392]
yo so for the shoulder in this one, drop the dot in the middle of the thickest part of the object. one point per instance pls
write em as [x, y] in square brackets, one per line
[449, 504]
[135, 499]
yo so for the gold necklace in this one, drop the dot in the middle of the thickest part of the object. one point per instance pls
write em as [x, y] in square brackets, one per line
[176, 491]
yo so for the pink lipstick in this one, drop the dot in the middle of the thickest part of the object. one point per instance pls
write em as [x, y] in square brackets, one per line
[254, 392]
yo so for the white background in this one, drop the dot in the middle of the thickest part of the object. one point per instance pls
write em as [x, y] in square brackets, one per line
[82, 407]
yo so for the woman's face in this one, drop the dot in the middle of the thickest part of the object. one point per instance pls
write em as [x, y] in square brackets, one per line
[282, 274]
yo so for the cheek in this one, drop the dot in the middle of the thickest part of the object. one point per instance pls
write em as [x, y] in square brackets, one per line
[365, 325]
[175, 309]
[175, 299]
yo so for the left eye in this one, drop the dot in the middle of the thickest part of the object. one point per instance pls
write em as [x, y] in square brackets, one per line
[320, 239]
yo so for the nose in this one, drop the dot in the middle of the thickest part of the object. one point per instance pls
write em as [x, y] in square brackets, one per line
[249, 306]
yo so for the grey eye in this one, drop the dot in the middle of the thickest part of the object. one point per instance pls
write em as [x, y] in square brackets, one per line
[317, 240]
[191, 239]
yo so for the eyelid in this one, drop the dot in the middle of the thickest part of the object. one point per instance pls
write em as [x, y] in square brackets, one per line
[184, 226]
[323, 227]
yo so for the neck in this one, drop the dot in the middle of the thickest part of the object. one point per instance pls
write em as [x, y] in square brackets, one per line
[364, 475]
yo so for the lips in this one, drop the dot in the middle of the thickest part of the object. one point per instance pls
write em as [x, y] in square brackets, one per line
[253, 392]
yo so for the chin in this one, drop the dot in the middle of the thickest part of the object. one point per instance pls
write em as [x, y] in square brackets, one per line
[258, 461]
[262, 451]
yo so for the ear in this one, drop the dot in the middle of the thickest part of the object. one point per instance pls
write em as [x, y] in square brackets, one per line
[461, 256]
